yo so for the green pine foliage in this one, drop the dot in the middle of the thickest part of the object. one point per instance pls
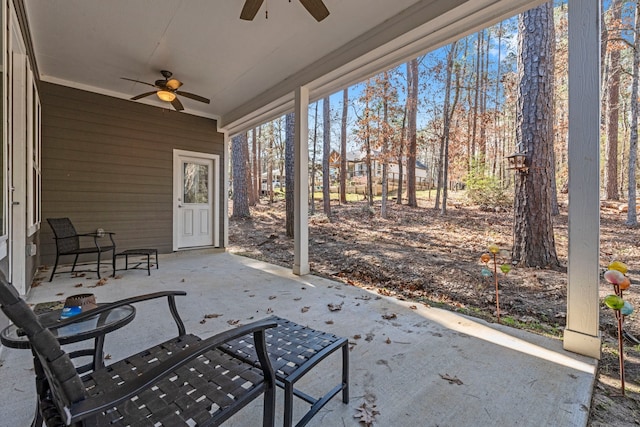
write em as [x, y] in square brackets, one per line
[484, 189]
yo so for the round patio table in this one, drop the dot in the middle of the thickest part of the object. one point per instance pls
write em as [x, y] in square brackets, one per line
[95, 327]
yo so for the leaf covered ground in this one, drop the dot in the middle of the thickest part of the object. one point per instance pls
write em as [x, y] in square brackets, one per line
[417, 254]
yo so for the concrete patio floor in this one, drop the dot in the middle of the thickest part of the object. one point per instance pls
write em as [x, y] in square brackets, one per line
[508, 377]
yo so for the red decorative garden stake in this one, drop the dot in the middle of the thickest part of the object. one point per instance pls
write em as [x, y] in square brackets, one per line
[494, 251]
[616, 276]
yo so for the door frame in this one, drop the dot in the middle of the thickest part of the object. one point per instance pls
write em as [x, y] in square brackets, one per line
[215, 193]
[19, 82]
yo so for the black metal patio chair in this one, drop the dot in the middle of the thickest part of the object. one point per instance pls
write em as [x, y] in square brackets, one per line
[184, 381]
[68, 243]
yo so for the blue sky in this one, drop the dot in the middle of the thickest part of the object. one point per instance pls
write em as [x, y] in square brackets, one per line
[432, 89]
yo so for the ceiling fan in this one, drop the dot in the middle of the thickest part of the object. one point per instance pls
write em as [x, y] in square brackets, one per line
[316, 8]
[167, 90]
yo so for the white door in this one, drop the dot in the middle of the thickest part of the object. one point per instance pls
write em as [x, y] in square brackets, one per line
[195, 199]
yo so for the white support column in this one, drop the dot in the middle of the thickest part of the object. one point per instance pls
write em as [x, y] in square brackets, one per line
[582, 332]
[301, 196]
[225, 196]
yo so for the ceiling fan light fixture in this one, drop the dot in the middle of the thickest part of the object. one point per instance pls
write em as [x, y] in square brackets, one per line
[173, 84]
[166, 95]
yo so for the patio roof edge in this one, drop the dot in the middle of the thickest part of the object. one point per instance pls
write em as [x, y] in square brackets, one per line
[411, 33]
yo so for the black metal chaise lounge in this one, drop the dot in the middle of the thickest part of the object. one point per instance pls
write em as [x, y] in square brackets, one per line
[68, 243]
[184, 381]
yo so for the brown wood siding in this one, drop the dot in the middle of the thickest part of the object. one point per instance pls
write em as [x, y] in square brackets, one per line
[108, 163]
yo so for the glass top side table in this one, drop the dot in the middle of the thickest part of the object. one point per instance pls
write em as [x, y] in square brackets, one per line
[95, 327]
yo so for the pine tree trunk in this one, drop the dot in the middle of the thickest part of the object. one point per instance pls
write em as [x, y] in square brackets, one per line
[238, 165]
[440, 174]
[483, 98]
[412, 131]
[312, 209]
[289, 172]
[248, 167]
[447, 126]
[632, 217]
[401, 156]
[343, 147]
[613, 100]
[259, 172]
[326, 152]
[254, 161]
[474, 129]
[534, 244]
[270, 164]
[496, 114]
[385, 147]
[369, 164]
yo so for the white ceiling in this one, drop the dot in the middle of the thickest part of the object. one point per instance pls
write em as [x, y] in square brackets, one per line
[248, 69]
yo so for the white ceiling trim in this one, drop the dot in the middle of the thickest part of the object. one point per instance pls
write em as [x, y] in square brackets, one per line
[390, 44]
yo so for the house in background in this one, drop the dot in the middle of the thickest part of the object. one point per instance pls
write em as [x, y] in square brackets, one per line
[357, 168]
[74, 144]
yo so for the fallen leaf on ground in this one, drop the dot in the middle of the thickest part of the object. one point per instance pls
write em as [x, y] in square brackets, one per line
[357, 337]
[60, 294]
[389, 316]
[335, 307]
[212, 316]
[366, 415]
[388, 340]
[119, 276]
[269, 310]
[233, 322]
[452, 380]
[203, 321]
[102, 282]
[329, 322]
[297, 299]
[107, 356]
[413, 307]
[79, 285]
[305, 309]
[272, 297]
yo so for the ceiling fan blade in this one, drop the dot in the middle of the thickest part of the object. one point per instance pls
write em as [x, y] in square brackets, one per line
[177, 104]
[142, 95]
[250, 9]
[138, 81]
[193, 96]
[316, 8]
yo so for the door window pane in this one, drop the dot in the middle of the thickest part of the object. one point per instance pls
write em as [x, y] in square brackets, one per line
[196, 183]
